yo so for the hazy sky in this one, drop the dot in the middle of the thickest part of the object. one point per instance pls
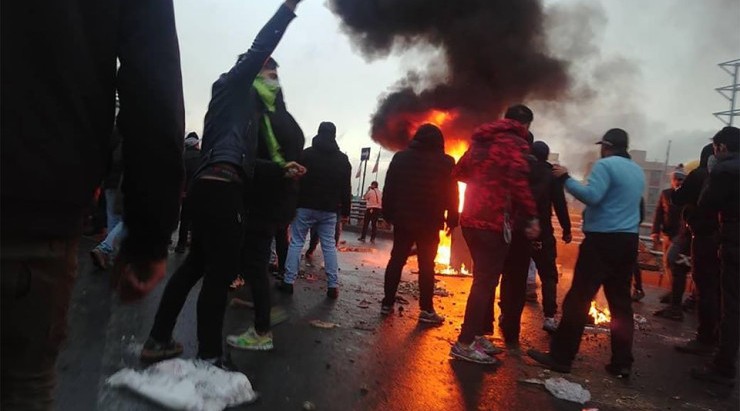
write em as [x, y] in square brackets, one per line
[653, 64]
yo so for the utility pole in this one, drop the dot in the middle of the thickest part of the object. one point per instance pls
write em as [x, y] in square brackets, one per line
[364, 171]
[667, 158]
[730, 92]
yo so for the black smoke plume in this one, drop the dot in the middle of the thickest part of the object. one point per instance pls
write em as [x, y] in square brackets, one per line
[488, 54]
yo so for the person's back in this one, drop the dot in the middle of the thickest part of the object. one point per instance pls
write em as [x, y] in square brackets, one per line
[59, 85]
[614, 207]
[326, 184]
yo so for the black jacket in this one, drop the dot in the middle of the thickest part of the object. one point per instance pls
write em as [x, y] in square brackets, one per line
[271, 198]
[667, 218]
[419, 187]
[700, 220]
[722, 195]
[191, 159]
[59, 85]
[231, 127]
[548, 193]
[327, 185]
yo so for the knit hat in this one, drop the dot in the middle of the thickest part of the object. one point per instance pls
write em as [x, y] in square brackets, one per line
[327, 129]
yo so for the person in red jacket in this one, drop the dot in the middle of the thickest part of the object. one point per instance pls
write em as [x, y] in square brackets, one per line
[498, 199]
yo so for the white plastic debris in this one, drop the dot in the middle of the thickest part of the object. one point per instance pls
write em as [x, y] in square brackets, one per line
[189, 385]
[566, 390]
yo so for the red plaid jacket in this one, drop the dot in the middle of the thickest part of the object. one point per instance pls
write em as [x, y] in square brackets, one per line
[495, 167]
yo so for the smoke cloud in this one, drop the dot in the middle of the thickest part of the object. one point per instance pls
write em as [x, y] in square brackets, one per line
[486, 55]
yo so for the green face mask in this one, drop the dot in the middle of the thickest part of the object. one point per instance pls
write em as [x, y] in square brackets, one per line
[268, 90]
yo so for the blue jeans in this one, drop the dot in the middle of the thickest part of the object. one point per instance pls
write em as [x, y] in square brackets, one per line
[325, 223]
[112, 217]
[113, 239]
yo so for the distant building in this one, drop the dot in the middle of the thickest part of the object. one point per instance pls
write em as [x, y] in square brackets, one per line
[657, 178]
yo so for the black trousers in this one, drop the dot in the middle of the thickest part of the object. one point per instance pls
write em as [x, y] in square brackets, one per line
[637, 275]
[514, 287]
[604, 259]
[184, 228]
[282, 241]
[217, 211]
[729, 334]
[706, 273]
[544, 256]
[489, 251]
[404, 238]
[679, 272]
[256, 251]
[371, 217]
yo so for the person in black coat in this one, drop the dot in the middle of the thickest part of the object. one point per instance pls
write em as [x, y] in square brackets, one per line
[191, 160]
[228, 166]
[549, 195]
[722, 194]
[325, 188]
[420, 199]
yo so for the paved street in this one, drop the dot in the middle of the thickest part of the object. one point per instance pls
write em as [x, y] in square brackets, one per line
[369, 363]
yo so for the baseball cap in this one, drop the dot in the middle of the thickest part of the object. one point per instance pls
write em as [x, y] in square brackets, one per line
[615, 138]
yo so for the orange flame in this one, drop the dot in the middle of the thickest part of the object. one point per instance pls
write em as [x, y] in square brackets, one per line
[600, 315]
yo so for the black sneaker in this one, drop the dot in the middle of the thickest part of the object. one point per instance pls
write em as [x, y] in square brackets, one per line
[617, 371]
[154, 351]
[99, 258]
[285, 288]
[695, 347]
[361, 239]
[689, 304]
[711, 374]
[546, 360]
[386, 310]
[670, 313]
[332, 293]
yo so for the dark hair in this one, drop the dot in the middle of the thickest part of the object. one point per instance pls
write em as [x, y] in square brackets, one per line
[374, 183]
[270, 64]
[706, 152]
[730, 137]
[520, 113]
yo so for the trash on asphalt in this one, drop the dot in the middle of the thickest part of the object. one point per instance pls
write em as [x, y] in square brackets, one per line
[412, 288]
[190, 385]
[309, 406]
[563, 389]
[323, 324]
[364, 303]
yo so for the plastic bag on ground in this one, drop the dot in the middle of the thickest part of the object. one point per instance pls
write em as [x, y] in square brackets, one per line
[190, 385]
[566, 390]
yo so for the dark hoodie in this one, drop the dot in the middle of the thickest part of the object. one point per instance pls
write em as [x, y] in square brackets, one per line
[327, 183]
[701, 221]
[547, 191]
[418, 186]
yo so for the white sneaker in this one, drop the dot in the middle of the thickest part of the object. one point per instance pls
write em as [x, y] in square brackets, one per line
[550, 324]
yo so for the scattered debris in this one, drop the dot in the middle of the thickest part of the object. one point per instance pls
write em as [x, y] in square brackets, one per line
[639, 319]
[563, 389]
[401, 300]
[363, 326]
[412, 288]
[364, 304]
[309, 406]
[323, 324]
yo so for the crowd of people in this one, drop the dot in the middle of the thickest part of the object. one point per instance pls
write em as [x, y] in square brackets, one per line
[249, 182]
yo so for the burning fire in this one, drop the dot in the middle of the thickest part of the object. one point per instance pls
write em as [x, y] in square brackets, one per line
[599, 315]
[455, 148]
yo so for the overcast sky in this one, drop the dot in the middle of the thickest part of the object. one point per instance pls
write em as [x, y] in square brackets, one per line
[655, 61]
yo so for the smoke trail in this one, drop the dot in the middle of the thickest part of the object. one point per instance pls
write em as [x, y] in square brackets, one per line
[492, 53]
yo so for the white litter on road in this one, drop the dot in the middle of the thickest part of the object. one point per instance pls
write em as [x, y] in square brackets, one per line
[189, 385]
[566, 390]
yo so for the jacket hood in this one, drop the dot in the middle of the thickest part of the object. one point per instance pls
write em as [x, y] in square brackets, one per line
[325, 140]
[489, 131]
[540, 150]
[428, 137]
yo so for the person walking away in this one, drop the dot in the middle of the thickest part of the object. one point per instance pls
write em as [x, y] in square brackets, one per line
[549, 195]
[606, 256]
[325, 188]
[722, 195]
[191, 159]
[57, 118]
[421, 198]
[703, 225]
[217, 199]
[666, 226]
[497, 198]
[373, 203]
[270, 200]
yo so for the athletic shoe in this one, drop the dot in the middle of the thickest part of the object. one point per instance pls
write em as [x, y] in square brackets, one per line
[487, 346]
[154, 351]
[546, 360]
[431, 317]
[285, 288]
[472, 353]
[386, 310]
[332, 293]
[99, 258]
[550, 324]
[251, 340]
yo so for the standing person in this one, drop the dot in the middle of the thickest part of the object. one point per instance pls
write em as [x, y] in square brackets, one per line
[103, 254]
[667, 226]
[217, 199]
[191, 159]
[497, 198]
[722, 195]
[270, 201]
[638, 293]
[419, 193]
[57, 118]
[703, 225]
[325, 187]
[606, 256]
[314, 241]
[549, 195]
[373, 203]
